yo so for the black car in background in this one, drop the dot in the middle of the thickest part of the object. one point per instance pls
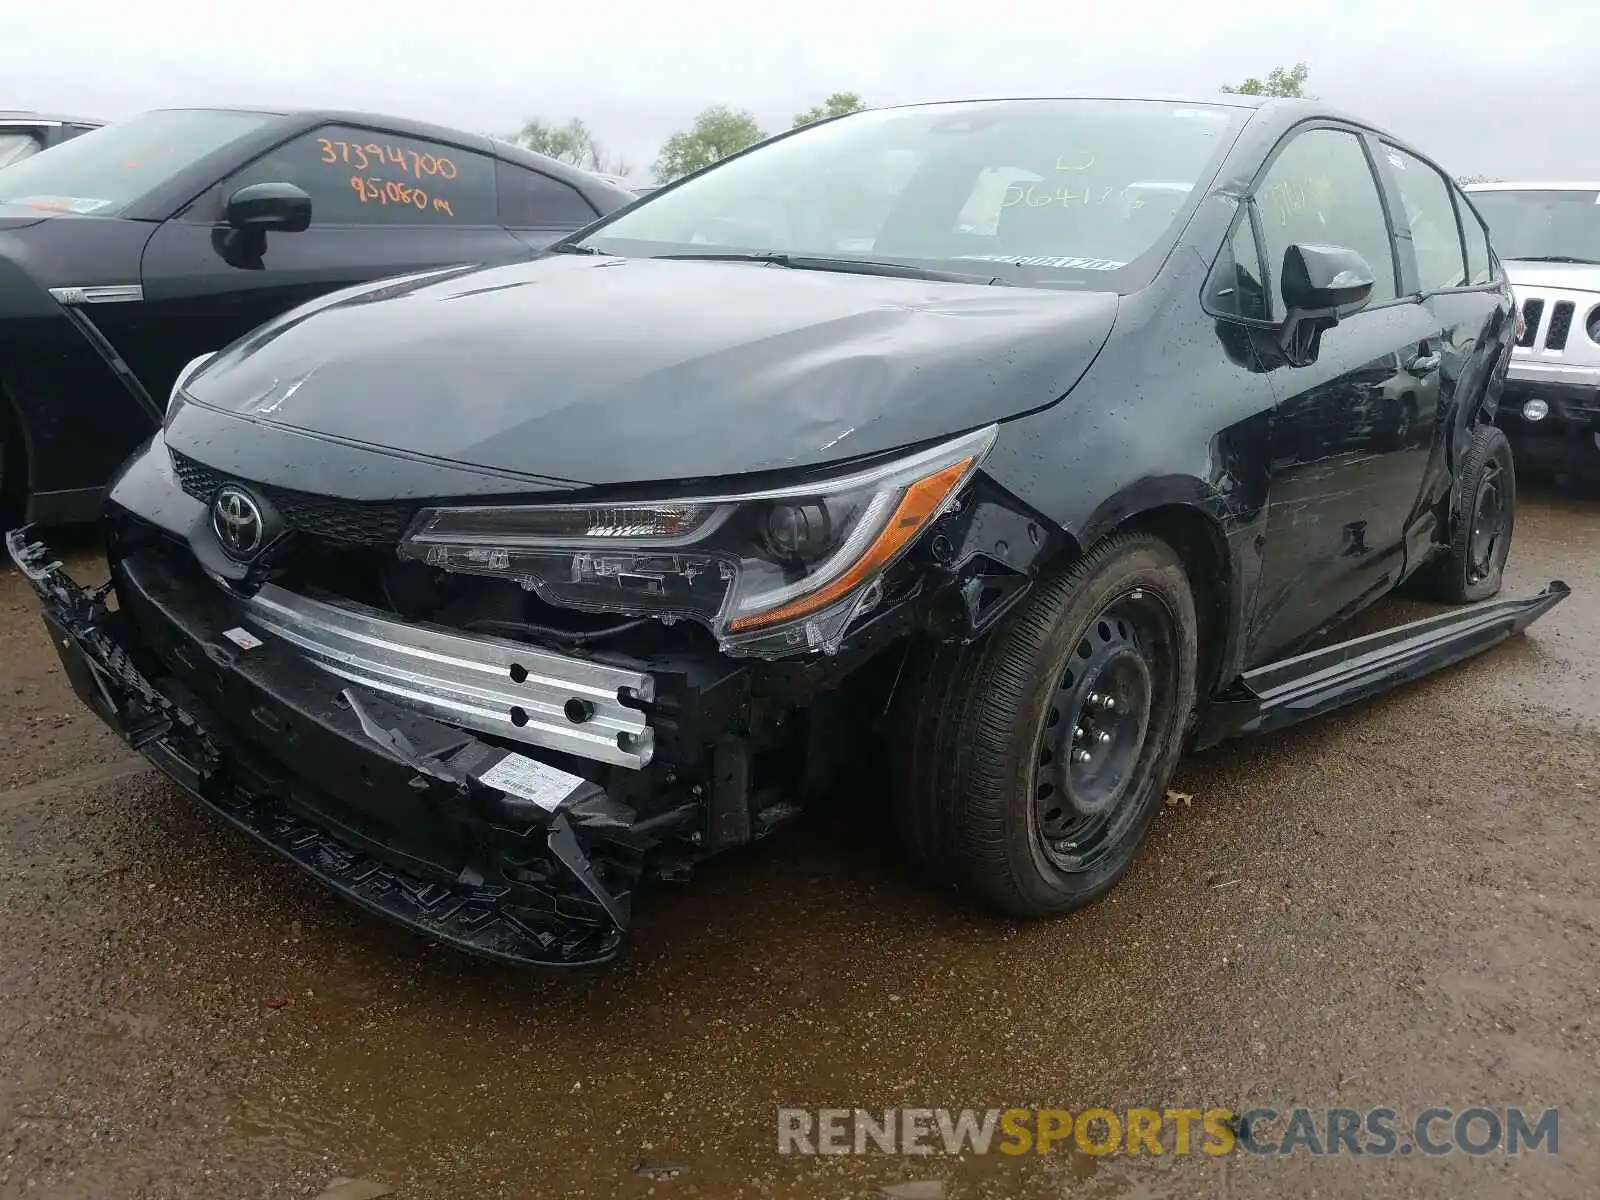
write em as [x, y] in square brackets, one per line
[126, 252]
[1024, 444]
[24, 134]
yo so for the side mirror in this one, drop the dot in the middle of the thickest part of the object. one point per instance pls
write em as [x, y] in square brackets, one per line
[280, 207]
[1320, 285]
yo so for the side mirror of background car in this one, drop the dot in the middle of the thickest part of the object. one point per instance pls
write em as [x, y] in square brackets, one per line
[269, 206]
[250, 213]
[1320, 284]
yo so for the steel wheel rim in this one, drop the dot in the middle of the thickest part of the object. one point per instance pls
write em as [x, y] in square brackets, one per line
[1096, 737]
[1488, 524]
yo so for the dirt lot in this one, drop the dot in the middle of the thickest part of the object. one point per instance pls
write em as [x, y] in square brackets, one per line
[1393, 906]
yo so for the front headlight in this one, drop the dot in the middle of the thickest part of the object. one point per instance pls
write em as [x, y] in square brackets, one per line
[769, 572]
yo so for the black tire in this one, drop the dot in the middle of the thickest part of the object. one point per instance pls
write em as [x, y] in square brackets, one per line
[1482, 520]
[1405, 423]
[984, 730]
[13, 470]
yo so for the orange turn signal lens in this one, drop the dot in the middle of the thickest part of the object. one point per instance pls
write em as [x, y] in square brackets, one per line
[922, 501]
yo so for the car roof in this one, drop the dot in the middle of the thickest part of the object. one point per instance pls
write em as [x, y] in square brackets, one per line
[1281, 111]
[1216, 100]
[22, 116]
[1534, 186]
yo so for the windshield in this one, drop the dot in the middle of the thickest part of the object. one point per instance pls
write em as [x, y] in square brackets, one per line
[14, 147]
[1062, 192]
[107, 169]
[1559, 224]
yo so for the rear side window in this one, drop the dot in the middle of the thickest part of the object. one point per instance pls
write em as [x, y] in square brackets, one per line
[1430, 216]
[1479, 268]
[1321, 191]
[363, 177]
[532, 200]
[14, 147]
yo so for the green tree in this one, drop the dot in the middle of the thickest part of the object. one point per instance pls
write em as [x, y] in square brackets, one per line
[1280, 81]
[717, 132]
[835, 105]
[571, 143]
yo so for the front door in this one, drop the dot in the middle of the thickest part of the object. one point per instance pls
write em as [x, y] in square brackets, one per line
[1346, 466]
[381, 205]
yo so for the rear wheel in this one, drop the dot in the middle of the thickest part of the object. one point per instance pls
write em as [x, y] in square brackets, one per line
[1483, 520]
[1036, 760]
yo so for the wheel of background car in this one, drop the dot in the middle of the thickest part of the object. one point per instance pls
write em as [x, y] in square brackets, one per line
[1483, 520]
[1033, 763]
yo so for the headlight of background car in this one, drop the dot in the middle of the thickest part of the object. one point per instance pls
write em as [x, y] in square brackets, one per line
[769, 573]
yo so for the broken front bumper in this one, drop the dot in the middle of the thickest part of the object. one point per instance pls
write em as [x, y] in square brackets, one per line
[487, 850]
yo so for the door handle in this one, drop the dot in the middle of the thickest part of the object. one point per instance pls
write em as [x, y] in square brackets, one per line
[1425, 362]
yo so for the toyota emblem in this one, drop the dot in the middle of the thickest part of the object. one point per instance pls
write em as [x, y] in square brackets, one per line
[237, 521]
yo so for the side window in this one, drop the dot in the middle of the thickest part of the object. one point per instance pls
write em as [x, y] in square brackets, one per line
[1479, 267]
[1235, 287]
[1247, 272]
[1320, 190]
[1430, 215]
[362, 177]
[14, 147]
[530, 200]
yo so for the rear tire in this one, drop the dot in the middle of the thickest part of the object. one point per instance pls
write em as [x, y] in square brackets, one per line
[1033, 762]
[1482, 522]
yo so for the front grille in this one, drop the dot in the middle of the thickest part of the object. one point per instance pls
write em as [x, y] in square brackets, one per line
[1560, 326]
[382, 522]
[1532, 310]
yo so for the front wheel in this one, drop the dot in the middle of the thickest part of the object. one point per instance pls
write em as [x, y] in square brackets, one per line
[1044, 752]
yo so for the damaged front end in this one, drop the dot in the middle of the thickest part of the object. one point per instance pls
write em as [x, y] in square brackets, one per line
[496, 734]
[470, 843]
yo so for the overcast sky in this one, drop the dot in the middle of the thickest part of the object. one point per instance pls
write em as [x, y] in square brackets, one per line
[1486, 88]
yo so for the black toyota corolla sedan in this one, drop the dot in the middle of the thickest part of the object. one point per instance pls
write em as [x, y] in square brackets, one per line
[128, 250]
[1018, 444]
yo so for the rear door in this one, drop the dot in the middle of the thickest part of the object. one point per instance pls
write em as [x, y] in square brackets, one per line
[382, 204]
[539, 208]
[1451, 278]
[1345, 473]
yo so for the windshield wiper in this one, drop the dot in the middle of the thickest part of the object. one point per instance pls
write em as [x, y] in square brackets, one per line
[574, 248]
[850, 266]
[1556, 258]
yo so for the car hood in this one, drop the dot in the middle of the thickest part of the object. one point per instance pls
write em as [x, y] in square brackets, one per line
[594, 370]
[20, 216]
[1580, 277]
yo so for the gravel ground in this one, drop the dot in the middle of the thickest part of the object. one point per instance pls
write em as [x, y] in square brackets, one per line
[1394, 906]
